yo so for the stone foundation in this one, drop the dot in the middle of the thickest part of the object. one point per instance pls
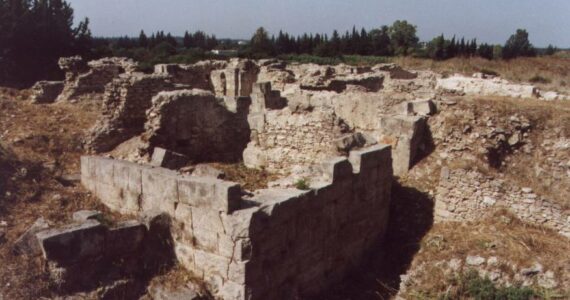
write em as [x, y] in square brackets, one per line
[275, 244]
[464, 195]
[125, 103]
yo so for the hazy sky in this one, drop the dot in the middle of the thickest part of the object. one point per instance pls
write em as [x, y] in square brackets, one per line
[548, 21]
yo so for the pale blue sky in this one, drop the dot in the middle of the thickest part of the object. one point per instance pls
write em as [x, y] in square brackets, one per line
[548, 21]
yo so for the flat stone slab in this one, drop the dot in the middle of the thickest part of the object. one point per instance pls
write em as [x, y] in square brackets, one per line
[73, 243]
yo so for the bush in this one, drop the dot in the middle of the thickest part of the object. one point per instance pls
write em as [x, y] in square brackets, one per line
[539, 79]
[476, 287]
[302, 184]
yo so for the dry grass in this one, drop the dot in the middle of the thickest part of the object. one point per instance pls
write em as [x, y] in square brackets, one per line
[500, 235]
[554, 68]
[249, 179]
[43, 143]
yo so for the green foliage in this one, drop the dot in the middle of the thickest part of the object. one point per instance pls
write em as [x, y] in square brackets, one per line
[354, 60]
[260, 43]
[34, 35]
[302, 184]
[518, 45]
[472, 286]
[550, 50]
[403, 37]
[539, 79]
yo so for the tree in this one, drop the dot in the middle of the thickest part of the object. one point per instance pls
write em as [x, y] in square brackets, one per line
[550, 50]
[34, 34]
[260, 42]
[485, 51]
[403, 37]
[518, 45]
[143, 40]
[380, 41]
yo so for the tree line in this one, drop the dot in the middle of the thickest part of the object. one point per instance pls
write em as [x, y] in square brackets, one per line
[35, 33]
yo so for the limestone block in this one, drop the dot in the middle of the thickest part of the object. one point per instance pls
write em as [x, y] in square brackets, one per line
[233, 291]
[168, 159]
[103, 170]
[211, 264]
[369, 158]
[210, 193]
[205, 239]
[73, 243]
[185, 255]
[183, 214]
[125, 237]
[336, 169]
[238, 250]
[207, 219]
[160, 190]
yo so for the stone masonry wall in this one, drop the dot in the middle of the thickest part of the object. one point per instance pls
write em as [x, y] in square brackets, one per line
[196, 75]
[464, 195]
[81, 78]
[276, 244]
[236, 80]
[125, 103]
[199, 125]
[282, 138]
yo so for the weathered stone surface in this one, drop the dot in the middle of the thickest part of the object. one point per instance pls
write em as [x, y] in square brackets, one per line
[197, 124]
[204, 170]
[46, 91]
[84, 215]
[486, 87]
[125, 237]
[73, 243]
[168, 159]
[27, 243]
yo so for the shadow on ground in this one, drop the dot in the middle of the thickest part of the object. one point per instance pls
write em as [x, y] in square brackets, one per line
[411, 217]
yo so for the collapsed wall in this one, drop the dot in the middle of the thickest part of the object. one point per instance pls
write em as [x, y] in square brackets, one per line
[196, 75]
[125, 103]
[199, 125]
[275, 244]
[83, 78]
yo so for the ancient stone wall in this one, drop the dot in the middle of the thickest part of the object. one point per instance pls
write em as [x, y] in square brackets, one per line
[236, 79]
[46, 91]
[199, 125]
[125, 103]
[464, 195]
[276, 244]
[196, 75]
[83, 78]
[282, 138]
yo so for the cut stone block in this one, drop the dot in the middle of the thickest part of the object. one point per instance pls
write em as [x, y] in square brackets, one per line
[73, 243]
[168, 159]
[27, 243]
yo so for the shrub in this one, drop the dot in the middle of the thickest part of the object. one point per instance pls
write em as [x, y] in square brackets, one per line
[539, 79]
[302, 184]
[476, 287]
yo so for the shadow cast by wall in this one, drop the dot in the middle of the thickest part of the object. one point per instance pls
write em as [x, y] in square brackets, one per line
[411, 217]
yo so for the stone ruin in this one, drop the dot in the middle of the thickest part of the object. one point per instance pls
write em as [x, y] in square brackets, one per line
[335, 136]
[342, 132]
[81, 78]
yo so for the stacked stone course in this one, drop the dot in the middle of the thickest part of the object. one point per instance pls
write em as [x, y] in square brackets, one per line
[464, 195]
[276, 244]
[46, 91]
